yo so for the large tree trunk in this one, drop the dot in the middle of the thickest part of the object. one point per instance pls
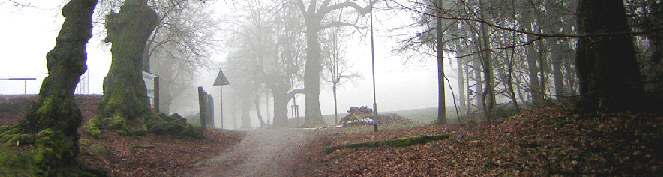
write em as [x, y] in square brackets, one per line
[468, 91]
[312, 73]
[256, 101]
[489, 91]
[478, 82]
[246, 109]
[532, 72]
[558, 77]
[486, 63]
[461, 82]
[543, 67]
[607, 67]
[280, 106]
[509, 75]
[653, 66]
[54, 115]
[569, 70]
[335, 104]
[124, 89]
[236, 113]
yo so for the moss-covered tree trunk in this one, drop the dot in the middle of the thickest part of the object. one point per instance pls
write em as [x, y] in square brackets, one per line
[54, 116]
[607, 69]
[124, 89]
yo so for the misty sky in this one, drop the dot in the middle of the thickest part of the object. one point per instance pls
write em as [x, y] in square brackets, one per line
[30, 32]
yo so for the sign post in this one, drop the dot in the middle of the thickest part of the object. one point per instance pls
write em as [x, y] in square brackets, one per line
[220, 81]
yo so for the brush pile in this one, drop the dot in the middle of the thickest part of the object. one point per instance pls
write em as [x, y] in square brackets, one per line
[364, 115]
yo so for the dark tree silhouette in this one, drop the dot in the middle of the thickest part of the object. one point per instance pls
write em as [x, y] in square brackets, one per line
[607, 69]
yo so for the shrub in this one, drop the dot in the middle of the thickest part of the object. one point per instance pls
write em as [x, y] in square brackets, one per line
[172, 125]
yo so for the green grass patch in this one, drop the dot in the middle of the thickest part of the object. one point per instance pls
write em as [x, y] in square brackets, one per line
[428, 115]
[400, 142]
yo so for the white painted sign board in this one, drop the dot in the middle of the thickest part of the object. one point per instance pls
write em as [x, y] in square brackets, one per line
[148, 78]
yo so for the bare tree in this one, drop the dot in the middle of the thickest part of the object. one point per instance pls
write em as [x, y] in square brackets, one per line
[284, 70]
[335, 63]
[315, 20]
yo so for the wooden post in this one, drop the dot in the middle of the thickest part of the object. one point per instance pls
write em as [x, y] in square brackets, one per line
[201, 103]
[210, 112]
[221, 105]
[156, 95]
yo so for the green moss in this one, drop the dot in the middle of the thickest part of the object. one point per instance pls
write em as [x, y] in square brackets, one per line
[17, 163]
[85, 171]
[48, 101]
[93, 126]
[117, 122]
[12, 135]
[18, 139]
[50, 144]
[47, 158]
[92, 148]
[400, 142]
[139, 132]
[173, 125]
[92, 130]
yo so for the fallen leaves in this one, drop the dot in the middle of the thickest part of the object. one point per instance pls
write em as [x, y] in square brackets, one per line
[149, 155]
[153, 155]
[549, 140]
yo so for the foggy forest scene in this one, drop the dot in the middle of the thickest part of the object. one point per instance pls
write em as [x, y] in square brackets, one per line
[331, 88]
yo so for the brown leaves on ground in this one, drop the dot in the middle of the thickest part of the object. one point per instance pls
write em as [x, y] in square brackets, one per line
[149, 155]
[547, 141]
[153, 155]
[550, 140]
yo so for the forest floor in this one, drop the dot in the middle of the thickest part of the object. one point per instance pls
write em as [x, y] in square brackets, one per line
[550, 140]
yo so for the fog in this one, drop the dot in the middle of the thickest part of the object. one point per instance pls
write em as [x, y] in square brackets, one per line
[402, 81]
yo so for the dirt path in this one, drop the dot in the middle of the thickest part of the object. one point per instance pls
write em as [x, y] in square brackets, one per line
[263, 152]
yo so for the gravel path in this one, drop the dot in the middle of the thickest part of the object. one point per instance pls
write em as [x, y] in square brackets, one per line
[263, 152]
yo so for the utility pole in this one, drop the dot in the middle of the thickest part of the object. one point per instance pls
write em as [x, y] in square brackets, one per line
[375, 105]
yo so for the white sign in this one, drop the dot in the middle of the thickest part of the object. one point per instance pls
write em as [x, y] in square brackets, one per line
[148, 78]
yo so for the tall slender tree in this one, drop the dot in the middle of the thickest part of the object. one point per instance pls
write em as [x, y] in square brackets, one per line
[441, 103]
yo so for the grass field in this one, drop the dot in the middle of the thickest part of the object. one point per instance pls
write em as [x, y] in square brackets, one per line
[419, 116]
